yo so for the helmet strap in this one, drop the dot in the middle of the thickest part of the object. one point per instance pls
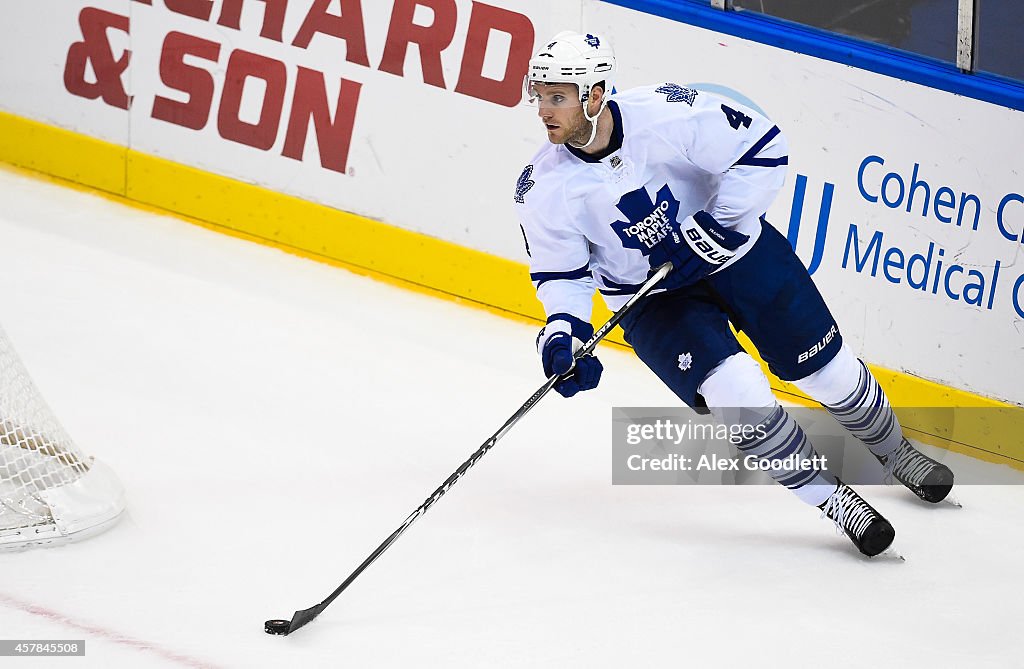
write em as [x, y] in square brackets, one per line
[585, 99]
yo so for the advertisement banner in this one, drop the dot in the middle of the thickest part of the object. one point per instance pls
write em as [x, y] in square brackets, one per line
[904, 202]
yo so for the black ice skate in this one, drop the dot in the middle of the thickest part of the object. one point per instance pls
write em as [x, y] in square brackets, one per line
[926, 478]
[867, 529]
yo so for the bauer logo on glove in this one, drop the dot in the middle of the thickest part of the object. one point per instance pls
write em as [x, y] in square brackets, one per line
[705, 246]
[710, 251]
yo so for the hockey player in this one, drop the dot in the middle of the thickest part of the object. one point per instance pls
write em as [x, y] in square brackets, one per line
[664, 173]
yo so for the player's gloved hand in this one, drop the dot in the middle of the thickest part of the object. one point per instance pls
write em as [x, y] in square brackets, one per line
[557, 341]
[699, 247]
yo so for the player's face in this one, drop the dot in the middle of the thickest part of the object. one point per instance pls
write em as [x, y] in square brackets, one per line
[560, 110]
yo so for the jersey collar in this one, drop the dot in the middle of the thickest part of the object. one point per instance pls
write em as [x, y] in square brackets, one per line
[614, 145]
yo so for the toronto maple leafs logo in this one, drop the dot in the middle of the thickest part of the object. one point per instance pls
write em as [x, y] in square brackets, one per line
[524, 184]
[648, 221]
[676, 93]
[685, 361]
[593, 41]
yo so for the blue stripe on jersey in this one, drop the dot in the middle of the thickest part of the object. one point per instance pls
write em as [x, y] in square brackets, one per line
[542, 277]
[614, 288]
[750, 157]
[766, 162]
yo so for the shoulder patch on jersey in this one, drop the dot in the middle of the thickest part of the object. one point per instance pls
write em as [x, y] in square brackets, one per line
[649, 221]
[677, 93]
[524, 184]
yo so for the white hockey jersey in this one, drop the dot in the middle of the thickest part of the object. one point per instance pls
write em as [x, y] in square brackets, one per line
[590, 221]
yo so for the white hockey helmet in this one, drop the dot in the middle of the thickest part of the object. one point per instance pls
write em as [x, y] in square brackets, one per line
[572, 58]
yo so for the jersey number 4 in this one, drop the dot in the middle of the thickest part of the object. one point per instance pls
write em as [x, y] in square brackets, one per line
[736, 119]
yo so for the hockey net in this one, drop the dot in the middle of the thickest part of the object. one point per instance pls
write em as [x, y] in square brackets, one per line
[50, 491]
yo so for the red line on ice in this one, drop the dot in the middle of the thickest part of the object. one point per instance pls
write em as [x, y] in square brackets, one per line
[110, 635]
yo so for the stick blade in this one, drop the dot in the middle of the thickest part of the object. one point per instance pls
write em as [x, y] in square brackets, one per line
[286, 627]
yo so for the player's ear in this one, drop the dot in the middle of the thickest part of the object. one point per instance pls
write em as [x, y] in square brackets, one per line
[596, 96]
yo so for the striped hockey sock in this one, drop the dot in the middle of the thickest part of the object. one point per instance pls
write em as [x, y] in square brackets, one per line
[784, 438]
[866, 413]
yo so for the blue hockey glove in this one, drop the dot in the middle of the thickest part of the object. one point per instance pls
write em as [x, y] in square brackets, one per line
[699, 247]
[557, 341]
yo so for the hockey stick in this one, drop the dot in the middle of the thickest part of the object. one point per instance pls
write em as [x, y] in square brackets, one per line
[300, 618]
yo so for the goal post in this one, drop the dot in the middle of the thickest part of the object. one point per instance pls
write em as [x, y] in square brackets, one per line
[50, 491]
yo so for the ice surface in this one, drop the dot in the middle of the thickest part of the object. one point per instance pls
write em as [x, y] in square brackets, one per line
[273, 419]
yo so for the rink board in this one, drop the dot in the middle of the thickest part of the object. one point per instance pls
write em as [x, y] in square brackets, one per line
[414, 179]
[350, 241]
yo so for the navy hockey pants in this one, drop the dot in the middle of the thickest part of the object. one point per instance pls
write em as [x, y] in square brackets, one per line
[683, 334]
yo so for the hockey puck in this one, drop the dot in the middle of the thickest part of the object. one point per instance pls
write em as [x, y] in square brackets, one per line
[277, 626]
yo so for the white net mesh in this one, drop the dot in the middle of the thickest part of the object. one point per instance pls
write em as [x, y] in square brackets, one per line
[37, 456]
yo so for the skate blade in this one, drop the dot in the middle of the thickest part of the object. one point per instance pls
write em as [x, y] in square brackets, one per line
[953, 500]
[890, 554]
